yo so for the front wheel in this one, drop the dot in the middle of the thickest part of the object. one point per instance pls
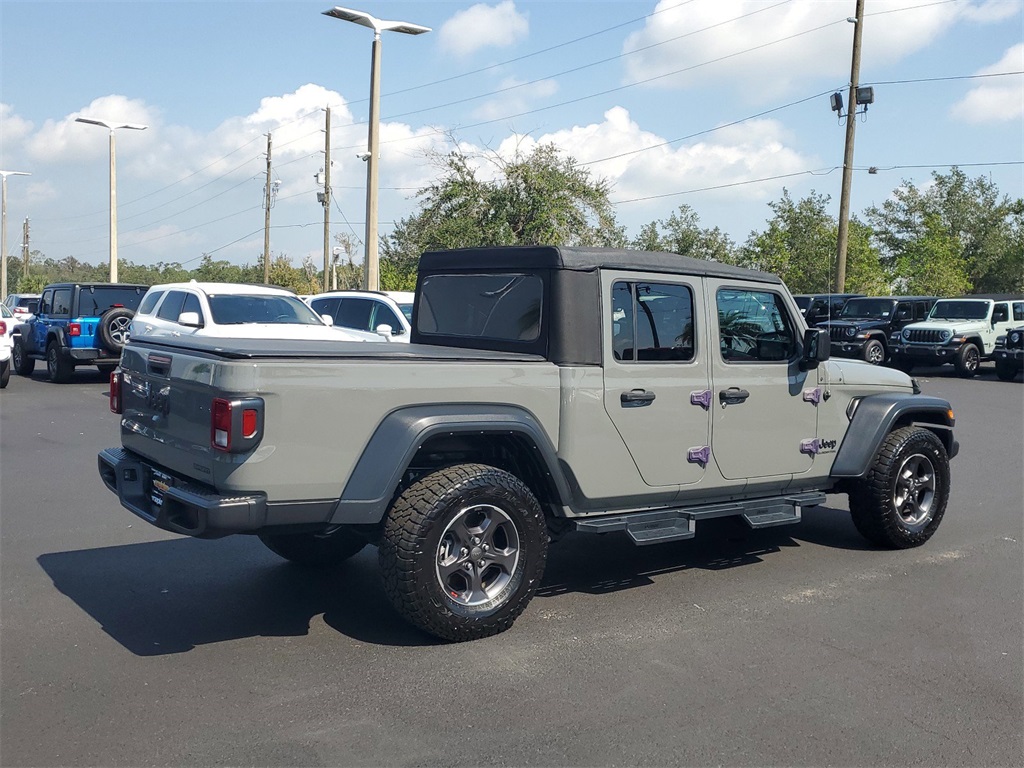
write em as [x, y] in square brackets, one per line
[874, 352]
[901, 501]
[1005, 370]
[313, 549]
[23, 364]
[967, 361]
[463, 551]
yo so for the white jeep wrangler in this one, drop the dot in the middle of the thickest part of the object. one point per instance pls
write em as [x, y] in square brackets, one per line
[958, 331]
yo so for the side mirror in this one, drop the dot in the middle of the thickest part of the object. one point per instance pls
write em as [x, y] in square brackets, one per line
[384, 331]
[190, 319]
[328, 320]
[817, 348]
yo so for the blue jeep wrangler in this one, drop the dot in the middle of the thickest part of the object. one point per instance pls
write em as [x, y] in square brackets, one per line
[77, 324]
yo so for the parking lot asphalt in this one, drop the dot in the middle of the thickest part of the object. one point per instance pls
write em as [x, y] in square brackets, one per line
[121, 645]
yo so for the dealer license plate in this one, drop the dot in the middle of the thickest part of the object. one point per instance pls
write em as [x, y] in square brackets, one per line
[158, 485]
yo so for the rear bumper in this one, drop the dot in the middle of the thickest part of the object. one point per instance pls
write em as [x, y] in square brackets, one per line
[181, 507]
[89, 356]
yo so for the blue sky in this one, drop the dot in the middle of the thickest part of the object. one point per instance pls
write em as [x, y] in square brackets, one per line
[679, 101]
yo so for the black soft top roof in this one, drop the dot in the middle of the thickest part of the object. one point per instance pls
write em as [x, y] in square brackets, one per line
[582, 260]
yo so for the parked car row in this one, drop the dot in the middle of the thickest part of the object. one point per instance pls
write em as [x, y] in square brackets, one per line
[76, 324]
[907, 331]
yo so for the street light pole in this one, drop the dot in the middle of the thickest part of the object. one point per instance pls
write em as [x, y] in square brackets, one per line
[371, 275]
[3, 230]
[113, 183]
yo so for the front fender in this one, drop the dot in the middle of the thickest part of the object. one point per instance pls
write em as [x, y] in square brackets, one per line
[394, 443]
[877, 415]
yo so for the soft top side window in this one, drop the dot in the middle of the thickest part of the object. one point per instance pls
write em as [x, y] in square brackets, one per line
[753, 326]
[652, 322]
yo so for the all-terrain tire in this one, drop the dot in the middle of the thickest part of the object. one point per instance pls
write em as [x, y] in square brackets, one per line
[23, 364]
[968, 360]
[5, 373]
[901, 501]
[106, 368]
[873, 352]
[463, 551]
[58, 368]
[905, 365]
[113, 328]
[1005, 370]
[314, 550]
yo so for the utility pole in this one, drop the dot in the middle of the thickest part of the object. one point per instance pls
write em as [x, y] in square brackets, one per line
[327, 199]
[851, 125]
[24, 248]
[266, 220]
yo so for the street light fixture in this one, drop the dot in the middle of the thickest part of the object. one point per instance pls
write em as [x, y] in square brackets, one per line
[371, 278]
[113, 183]
[3, 230]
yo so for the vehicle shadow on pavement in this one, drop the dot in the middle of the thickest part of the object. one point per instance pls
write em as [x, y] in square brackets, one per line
[611, 562]
[167, 597]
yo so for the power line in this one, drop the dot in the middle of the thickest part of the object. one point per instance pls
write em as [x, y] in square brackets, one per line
[810, 172]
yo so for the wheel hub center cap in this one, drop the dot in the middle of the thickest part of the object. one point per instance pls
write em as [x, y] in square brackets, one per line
[476, 553]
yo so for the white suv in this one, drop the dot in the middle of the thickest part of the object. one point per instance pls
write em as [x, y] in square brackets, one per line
[369, 311]
[959, 331]
[232, 310]
[7, 323]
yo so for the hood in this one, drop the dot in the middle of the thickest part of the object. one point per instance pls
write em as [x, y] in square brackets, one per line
[858, 372]
[957, 326]
[854, 322]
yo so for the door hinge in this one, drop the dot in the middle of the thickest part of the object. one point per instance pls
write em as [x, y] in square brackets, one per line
[812, 395]
[703, 398]
[699, 455]
[811, 446]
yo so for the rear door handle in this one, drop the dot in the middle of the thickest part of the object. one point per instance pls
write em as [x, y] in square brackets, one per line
[636, 397]
[733, 396]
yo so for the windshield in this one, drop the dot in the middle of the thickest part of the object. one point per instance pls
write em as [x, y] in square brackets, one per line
[959, 310]
[868, 309]
[239, 309]
[95, 300]
[803, 302]
[406, 310]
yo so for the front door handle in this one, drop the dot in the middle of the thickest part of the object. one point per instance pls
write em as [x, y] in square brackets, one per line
[636, 397]
[733, 396]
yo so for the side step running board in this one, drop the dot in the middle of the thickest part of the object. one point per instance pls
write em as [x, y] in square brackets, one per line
[663, 525]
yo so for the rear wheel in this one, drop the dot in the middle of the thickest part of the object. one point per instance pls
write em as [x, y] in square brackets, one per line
[107, 368]
[463, 551]
[901, 501]
[23, 364]
[313, 549]
[874, 352]
[1005, 370]
[968, 359]
[59, 368]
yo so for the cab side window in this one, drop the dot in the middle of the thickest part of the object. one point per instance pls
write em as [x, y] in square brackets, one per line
[62, 302]
[652, 322]
[1000, 313]
[384, 316]
[46, 303]
[1018, 310]
[753, 326]
[192, 305]
[149, 302]
[170, 308]
[354, 313]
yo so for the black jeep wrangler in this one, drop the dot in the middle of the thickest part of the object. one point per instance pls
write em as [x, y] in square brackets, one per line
[1009, 354]
[866, 324]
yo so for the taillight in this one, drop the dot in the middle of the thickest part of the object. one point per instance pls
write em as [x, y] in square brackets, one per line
[220, 425]
[116, 406]
[74, 329]
[3, 328]
[235, 424]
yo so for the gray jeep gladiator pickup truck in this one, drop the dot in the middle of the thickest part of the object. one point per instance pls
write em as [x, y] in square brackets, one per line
[545, 390]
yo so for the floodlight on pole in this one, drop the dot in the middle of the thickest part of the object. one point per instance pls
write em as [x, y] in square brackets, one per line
[113, 182]
[371, 273]
[3, 230]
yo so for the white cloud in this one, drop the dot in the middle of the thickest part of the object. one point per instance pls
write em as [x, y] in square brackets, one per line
[999, 99]
[734, 47]
[484, 26]
[65, 140]
[15, 128]
[517, 96]
[756, 149]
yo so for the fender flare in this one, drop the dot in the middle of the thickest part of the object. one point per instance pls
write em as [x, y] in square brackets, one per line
[401, 433]
[876, 416]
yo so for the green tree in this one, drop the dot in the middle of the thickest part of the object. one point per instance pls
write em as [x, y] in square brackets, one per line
[681, 233]
[958, 212]
[932, 264]
[542, 198]
[800, 246]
